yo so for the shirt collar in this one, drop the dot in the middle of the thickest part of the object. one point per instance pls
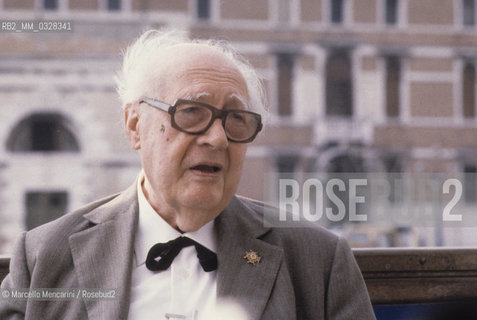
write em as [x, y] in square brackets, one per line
[152, 228]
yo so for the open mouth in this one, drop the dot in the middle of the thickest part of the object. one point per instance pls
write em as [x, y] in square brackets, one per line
[206, 168]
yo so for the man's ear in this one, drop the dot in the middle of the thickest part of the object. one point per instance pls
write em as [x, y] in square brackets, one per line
[131, 124]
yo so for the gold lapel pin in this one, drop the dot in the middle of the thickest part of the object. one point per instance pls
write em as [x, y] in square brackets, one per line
[252, 257]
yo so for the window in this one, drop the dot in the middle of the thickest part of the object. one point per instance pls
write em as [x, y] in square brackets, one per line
[393, 80]
[50, 4]
[468, 12]
[286, 167]
[392, 162]
[114, 5]
[203, 9]
[346, 163]
[286, 163]
[340, 167]
[42, 207]
[468, 90]
[285, 62]
[339, 100]
[391, 12]
[42, 133]
[337, 11]
[470, 183]
[284, 10]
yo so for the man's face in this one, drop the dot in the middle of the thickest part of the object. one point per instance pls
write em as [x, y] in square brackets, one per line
[190, 179]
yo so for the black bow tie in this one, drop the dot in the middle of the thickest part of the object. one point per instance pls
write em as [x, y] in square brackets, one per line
[169, 250]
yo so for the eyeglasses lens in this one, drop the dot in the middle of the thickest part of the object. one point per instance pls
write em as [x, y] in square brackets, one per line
[240, 125]
[194, 118]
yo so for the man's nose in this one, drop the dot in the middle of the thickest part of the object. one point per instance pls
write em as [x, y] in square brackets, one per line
[215, 136]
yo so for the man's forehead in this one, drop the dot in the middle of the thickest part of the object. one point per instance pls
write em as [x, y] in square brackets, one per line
[186, 58]
[189, 53]
[193, 72]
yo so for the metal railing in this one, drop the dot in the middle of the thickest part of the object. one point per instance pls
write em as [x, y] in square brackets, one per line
[418, 275]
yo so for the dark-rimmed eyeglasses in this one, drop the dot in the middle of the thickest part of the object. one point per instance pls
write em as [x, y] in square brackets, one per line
[196, 117]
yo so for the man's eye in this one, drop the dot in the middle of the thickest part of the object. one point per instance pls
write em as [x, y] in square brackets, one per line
[190, 109]
[237, 117]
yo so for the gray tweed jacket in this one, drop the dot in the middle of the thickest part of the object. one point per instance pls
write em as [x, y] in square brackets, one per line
[304, 273]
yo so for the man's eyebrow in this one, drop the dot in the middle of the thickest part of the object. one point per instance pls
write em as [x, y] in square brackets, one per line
[197, 96]
[233, 98]
[237, 98]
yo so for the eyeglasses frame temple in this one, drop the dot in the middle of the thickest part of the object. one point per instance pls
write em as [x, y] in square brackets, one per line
[157, 104]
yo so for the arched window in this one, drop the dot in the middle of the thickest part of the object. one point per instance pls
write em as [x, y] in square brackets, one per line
[42, 132]
[347, 163]
[286, 163]
[339, 100]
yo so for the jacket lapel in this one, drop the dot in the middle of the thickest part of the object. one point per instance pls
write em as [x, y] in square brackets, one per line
[103, 257]
[238, 232]
[103, 254]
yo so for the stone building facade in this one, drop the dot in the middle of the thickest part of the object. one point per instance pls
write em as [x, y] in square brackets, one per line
[353, 86]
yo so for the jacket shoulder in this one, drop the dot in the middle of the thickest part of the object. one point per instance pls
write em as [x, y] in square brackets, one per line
[305, 247]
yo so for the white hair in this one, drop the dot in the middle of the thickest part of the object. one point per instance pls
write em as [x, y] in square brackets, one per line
[142, 69]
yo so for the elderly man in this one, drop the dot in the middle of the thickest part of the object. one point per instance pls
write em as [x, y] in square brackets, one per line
[178, 242]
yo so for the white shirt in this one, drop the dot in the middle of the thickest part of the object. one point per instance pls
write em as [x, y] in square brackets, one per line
[184, 289]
